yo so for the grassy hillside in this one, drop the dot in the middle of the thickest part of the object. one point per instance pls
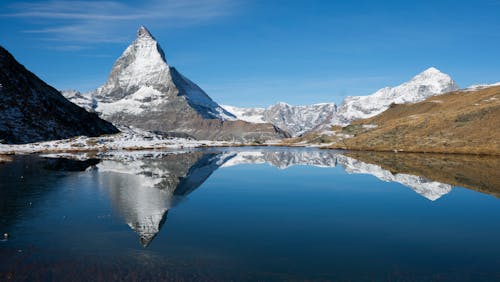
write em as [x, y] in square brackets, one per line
[457, 122]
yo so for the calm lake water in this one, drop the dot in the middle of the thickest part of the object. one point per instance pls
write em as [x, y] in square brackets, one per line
[250, 214]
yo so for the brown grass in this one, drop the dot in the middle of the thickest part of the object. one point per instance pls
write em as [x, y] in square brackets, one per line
[458, 122]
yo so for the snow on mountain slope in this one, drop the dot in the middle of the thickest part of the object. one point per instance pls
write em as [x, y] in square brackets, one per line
[299, 119]
[429, 83]
[141, 80]
[255, 115]
[134, 103]
[476, 87]
[83, 100]
[293, 119]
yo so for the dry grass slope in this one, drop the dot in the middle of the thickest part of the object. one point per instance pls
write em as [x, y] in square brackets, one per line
[466, 122]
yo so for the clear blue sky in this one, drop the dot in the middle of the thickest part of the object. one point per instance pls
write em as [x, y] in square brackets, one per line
[255, 53]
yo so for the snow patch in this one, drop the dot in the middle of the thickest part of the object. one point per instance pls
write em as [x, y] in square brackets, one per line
[254, 115]
[143, 99]
[476, 87]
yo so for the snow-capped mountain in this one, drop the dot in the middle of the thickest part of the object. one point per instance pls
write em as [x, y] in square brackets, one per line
[428, 83]
[33, 111]
[295, 120]
[144, 91]
[141, 80]
[83, 100]
[298, 120]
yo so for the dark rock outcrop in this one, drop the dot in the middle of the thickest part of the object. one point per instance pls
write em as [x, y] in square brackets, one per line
[33, 111]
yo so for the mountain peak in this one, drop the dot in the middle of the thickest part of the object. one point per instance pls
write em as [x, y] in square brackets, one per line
[144, 32]
[428, 83]
[142, 64]
[433, 76]
[431, 70]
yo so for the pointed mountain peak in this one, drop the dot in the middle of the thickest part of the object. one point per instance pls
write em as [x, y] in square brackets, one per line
[432, 70]
[433, 74]
[144, 32]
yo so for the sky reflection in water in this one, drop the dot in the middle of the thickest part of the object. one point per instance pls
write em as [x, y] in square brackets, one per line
[251, 214]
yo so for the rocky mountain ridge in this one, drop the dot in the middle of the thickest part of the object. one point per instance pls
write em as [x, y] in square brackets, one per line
[295, 120]
[33, 111]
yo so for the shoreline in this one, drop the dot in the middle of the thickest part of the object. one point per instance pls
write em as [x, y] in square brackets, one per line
[414, 151]
[4, 154]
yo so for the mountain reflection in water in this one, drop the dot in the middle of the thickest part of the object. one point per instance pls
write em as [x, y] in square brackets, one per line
[249, 214]
[144, 186]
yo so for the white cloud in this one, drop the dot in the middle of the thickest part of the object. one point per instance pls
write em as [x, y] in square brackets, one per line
[90, 22]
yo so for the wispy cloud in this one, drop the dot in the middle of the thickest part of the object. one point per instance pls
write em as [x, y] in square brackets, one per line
[91, 22]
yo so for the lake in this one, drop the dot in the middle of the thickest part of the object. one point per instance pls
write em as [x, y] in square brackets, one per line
[250, 214]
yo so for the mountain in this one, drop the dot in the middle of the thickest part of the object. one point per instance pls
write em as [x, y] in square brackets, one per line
[295, 120]
[145, 92]
[33, 111]
[255, 115]
[465, 121]
[428, 83]
[83, 100]
[298, 120]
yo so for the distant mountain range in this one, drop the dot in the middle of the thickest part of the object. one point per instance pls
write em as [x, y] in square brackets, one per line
[298, 120]
[295, 120]
[32, 110]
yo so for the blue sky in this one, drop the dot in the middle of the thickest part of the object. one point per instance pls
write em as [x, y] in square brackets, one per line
[255, 53]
